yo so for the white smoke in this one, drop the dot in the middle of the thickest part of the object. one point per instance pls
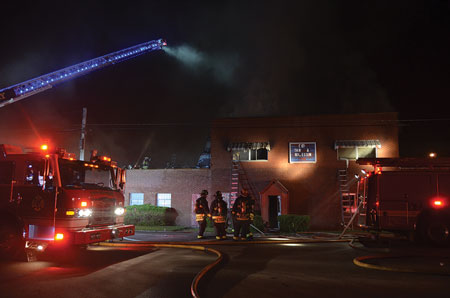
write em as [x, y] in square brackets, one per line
[222, 66]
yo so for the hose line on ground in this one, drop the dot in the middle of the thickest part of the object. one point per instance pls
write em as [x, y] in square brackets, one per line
[197, 278]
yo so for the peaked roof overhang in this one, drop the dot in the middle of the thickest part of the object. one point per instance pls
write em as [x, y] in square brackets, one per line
[277, 184]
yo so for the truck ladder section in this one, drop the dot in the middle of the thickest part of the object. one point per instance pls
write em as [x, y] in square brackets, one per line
[406, 163]
[22, 90]
[347, 198]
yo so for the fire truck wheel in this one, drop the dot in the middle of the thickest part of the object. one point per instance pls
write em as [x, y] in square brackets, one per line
[437, 231]
[12, 245]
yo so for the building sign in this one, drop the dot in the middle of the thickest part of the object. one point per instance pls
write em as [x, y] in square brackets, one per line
[304, 152]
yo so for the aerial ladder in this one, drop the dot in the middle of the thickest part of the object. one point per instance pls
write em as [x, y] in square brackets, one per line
[25, 89]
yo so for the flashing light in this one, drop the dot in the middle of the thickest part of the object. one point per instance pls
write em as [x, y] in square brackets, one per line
[377, 203]
[47, 155]
[44, 147]
[70, 212]
[432, 155]
[378, 171]
[59, 236]
[364, 172]
[84, 204]
[119, 211]
[40, 248]
[84, 212]
[438, 203]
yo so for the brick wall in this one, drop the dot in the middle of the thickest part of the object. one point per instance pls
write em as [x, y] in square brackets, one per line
[313, 187]
[180, 183]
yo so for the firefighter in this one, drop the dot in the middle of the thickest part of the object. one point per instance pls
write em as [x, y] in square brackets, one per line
[251, 217]
[219, 214]
[201, 212]
[242, 212]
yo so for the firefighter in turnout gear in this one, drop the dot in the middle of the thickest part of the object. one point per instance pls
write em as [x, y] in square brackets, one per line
[242, 213]
[219, 215]
[201, 212]
[251, 216]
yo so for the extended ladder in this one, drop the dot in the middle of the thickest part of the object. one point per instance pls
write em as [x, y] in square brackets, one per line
[347, 198]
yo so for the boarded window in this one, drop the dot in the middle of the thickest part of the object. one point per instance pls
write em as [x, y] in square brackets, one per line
[356, 152]
[367, 152]
[347, 153]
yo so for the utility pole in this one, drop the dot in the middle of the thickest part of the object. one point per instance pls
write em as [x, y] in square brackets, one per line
[83, 134]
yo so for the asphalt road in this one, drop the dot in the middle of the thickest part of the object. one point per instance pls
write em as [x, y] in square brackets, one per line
[249, 270]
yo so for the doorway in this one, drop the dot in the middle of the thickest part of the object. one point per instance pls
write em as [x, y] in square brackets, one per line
[274, 211]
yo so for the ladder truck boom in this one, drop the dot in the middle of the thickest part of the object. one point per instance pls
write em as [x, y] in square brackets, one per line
[22, 90]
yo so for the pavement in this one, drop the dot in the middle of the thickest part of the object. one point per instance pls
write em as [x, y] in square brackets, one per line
[386, 254]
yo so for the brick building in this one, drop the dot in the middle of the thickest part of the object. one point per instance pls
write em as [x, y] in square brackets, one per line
[295, 165]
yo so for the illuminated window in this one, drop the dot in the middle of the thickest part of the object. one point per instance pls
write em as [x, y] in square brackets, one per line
[136, 198]
[164, 200]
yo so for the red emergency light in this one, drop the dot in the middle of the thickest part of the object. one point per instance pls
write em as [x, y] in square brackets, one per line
[44, 147]
[438, 203]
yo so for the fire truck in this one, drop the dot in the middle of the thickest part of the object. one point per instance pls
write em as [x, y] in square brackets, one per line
[409, 196]
[48, 199]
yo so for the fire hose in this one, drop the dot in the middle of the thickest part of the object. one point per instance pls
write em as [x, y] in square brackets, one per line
[218, 260]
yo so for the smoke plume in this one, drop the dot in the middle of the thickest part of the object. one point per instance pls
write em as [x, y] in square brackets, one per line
[221, 66]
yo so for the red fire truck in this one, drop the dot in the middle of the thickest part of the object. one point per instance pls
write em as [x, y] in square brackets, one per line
[409, 196]
[50, 199]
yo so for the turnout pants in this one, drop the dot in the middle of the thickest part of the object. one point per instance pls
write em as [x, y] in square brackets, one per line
[241, 227]
[201, 227]
[220, 229]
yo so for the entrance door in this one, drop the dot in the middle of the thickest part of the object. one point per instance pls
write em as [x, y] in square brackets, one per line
[274, 211]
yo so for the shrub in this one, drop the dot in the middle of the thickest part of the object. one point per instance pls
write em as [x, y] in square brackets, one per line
[258, 223]
[291, 223]
[170, 216]
[149, 215]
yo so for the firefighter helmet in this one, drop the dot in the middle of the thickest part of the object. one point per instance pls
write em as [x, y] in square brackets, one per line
[204, 192]
[218, 194]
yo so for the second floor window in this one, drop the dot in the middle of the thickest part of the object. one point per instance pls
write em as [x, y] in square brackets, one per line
[250, 154]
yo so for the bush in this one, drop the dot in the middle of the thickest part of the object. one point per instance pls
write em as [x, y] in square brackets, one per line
[149, 215]
[258, 223]
[291, 223]
[170, 216]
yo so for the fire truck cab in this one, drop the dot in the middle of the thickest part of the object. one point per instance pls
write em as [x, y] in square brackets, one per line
[50, 199]
[409, 196]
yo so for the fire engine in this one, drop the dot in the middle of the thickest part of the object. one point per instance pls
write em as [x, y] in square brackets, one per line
[410, 196]
[47, 197]
[50, 199]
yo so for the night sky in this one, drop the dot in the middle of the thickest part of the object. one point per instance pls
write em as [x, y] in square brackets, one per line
[232, 59]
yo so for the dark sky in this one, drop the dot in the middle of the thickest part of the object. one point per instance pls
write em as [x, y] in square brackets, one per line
[256, 58]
